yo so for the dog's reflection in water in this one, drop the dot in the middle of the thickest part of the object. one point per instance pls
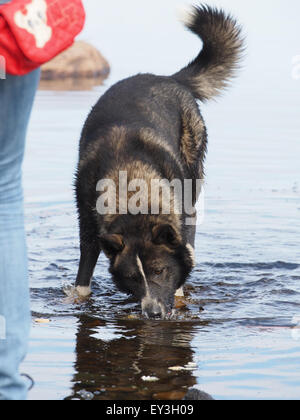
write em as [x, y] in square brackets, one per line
[113, 358]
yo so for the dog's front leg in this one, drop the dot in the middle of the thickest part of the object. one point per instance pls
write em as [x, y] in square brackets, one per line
[88, 260]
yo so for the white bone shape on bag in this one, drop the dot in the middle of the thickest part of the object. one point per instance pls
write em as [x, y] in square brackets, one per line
[35, 22]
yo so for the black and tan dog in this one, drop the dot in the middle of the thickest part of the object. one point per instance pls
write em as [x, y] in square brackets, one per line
[150, 127]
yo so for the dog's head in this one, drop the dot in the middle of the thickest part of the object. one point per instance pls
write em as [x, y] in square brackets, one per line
[150, 269]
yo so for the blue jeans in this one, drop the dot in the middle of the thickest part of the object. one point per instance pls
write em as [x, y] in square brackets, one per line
[16, 100]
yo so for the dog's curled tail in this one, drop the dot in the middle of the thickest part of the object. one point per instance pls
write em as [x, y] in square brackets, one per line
[219, 58]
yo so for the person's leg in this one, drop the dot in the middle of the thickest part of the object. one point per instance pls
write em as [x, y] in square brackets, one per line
[16, 99]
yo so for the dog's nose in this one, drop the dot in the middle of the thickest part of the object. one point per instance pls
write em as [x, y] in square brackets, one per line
[152, 310]
[152, 314]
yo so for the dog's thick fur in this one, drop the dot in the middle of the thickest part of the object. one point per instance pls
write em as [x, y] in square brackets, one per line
[151, 127]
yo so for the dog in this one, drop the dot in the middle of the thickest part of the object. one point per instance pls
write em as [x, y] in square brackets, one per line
[150, 128]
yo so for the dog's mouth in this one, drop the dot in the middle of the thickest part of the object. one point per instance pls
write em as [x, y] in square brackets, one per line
[155, 310]
[168, 316]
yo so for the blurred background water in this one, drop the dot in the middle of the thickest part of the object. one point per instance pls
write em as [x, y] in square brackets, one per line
[238, 333]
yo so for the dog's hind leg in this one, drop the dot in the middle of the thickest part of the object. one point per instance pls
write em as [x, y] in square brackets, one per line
[191, 235]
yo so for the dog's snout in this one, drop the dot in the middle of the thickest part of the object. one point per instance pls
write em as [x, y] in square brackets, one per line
[152, 314]
[152, 309]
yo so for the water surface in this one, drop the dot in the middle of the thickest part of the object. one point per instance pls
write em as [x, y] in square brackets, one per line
[237, 329]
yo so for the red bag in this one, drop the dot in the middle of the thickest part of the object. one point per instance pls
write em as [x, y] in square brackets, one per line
[33, 32]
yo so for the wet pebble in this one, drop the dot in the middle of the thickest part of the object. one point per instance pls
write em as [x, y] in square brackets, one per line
[150, 379]
[85, 395]
[42, 321]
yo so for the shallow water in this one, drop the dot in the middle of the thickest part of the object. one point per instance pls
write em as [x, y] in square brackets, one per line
[237, 333]
[237, 338]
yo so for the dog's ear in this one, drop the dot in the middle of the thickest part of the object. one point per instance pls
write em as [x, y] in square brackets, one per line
[112, 245]
[166, 235]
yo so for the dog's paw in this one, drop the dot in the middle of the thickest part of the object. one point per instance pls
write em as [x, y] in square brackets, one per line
[76, 294]
[83, 292]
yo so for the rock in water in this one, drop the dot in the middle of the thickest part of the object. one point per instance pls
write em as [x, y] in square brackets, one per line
[81, 62]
